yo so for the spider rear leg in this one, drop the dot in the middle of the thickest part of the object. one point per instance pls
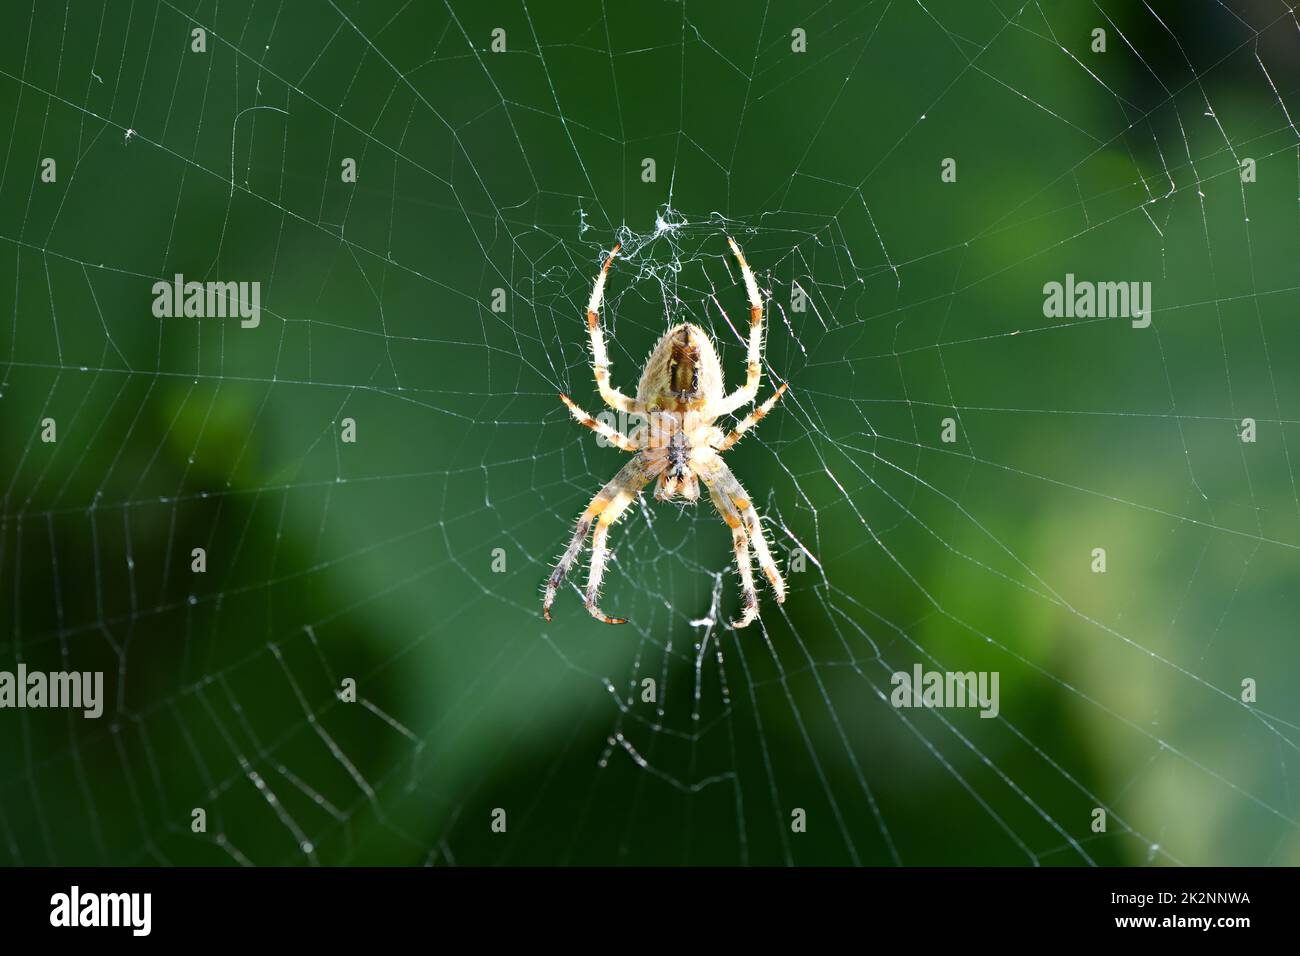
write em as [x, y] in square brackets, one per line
[754, 354]
[599, 355]
[607, 432]
[752, 419]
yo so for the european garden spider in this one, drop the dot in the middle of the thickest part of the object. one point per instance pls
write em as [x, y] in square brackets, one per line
[679, 397]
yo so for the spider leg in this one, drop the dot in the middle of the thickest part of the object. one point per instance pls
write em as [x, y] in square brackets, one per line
[747, 392]
[729, 485]
[607, 432]
[629, 480]
[600, 553]
[750, 420]
[599, 356]
[740, 544]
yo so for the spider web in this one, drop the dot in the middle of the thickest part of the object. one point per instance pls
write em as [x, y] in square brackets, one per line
[902, 308]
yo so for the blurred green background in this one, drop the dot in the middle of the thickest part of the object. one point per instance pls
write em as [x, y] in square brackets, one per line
[481, 170]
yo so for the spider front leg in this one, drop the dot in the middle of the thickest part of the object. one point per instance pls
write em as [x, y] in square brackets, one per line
[731, 499]
[600, 552]
[599, 356]
[754, 525]
[605, 508]
[740, 544]
[753, 367]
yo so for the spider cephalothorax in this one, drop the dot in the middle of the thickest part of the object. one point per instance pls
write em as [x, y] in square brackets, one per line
[680, 396]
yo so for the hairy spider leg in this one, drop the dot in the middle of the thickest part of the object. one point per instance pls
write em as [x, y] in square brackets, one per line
[740, 544]
[599, 356]
[622, 488]
[607, 432]
[753, 367]
[750, 420]
[730, 487]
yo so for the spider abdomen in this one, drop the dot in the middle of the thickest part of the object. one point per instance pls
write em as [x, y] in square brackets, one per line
[682, 371]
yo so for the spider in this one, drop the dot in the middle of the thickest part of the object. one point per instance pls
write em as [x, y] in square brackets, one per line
[680, 395]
